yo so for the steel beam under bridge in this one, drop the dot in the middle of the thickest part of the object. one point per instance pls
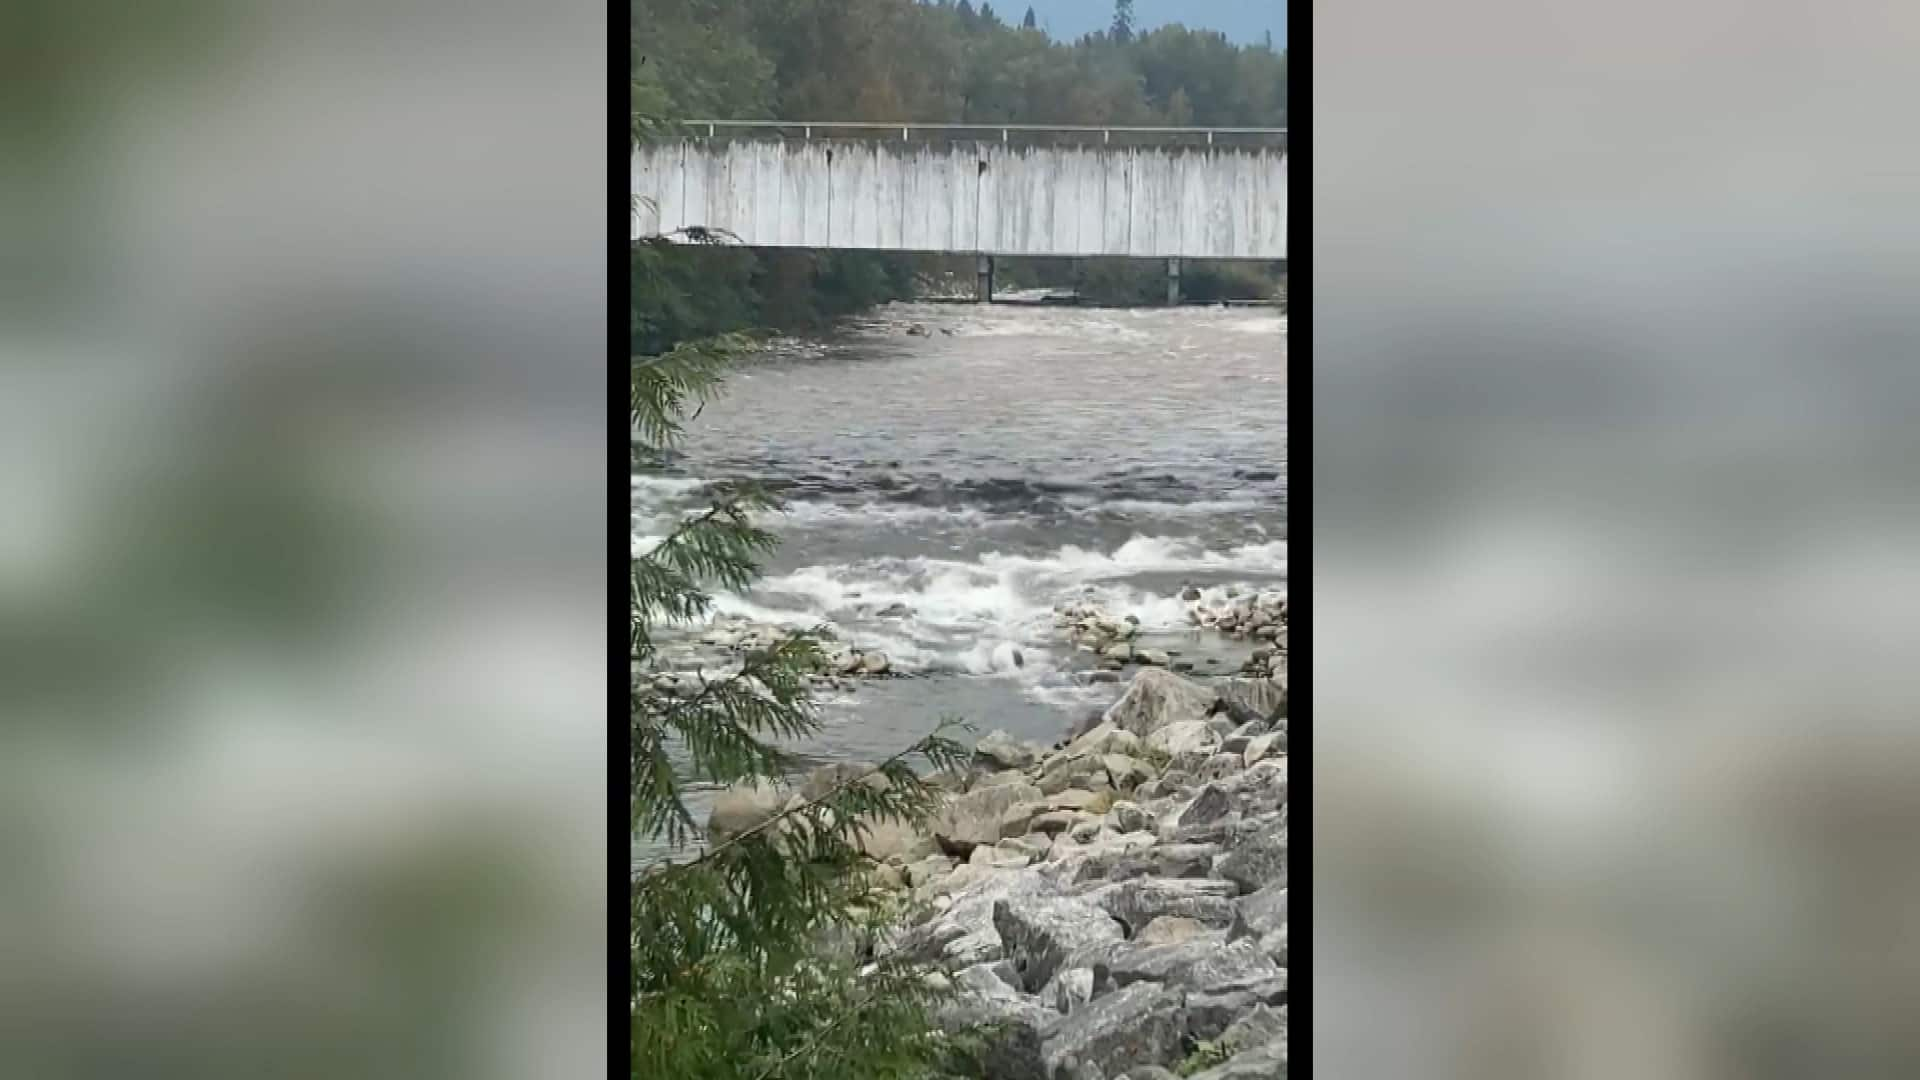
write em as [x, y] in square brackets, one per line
[1083, 192]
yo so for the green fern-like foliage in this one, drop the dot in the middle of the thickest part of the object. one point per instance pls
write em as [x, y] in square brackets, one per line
[741, 963]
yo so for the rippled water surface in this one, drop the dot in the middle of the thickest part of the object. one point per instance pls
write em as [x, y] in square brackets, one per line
[1007, 459]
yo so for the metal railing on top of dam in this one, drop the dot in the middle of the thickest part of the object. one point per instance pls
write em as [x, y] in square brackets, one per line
[1026, 134]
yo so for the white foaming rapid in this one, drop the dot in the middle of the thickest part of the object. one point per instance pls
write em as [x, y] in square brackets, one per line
[816, 514]
[995, 615]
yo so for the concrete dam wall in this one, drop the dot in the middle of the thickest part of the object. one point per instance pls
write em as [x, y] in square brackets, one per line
[1200, 202]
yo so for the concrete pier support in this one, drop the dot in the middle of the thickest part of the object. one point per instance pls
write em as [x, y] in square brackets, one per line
[1173, 282]
[983, 281]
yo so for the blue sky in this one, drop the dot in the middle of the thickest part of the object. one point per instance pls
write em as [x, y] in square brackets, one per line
[1241, 20]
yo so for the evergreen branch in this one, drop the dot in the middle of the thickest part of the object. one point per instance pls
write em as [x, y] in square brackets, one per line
[813, 1041]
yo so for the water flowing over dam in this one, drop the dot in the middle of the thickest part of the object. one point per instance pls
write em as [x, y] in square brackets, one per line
[1086, 192]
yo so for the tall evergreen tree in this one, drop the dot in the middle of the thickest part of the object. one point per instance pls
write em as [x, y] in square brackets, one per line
[1030, 22]
[1123, 21]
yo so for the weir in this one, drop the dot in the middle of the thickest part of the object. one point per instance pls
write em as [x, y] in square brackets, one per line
[1158, 193]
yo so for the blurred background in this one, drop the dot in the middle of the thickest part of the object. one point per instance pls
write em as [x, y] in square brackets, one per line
[1616, 518]
[303, 523]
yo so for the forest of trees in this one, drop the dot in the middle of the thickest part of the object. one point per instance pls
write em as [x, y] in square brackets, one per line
[941, 61]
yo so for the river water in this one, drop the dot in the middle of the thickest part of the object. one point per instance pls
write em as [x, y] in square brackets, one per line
[1007, 459]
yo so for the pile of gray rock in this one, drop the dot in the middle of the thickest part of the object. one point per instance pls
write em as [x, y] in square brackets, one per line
[1240, 613]
[1116, 906]
[1093, 630]
[840, 663]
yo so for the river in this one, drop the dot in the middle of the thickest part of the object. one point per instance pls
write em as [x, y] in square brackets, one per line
[966, 468]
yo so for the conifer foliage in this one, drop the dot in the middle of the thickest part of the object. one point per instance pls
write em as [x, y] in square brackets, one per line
[747, 954]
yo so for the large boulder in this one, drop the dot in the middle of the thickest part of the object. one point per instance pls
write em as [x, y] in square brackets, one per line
[1175, 930]
[1079, 799]
[969, 820]
[1258, 861]
[894, 841]
[1126, 773]
[1261, 747]
[1000, 750]
[1105, 738]
[1165, 861]
[1135, 1026]
[1112, 843]
[1260, 1026]
[1063, 771]
[1041, 934]
[1252, 699]
[1010, 1032]
[1200, 966]
[1210, 1015]
[983, 980]
[1137, 903]
[1157, 697]
[1265, 911]
[1184, 737]
[970, 915]
[742, 807]
[1208, 805]
[1128, 817]
[1069, 989]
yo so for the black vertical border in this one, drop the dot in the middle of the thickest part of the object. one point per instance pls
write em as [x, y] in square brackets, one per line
[619, 514]
[1299, 340]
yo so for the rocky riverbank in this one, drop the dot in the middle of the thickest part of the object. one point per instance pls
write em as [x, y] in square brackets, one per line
[1113, 906]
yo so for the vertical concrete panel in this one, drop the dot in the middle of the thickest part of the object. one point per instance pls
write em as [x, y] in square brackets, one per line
[1049, 171]
[1193, 200]
[914, 180]
[1116, 223]
[791, 229]
[693, 185]
[1227, 211]
[853, 196]
[891, 161]
[1043, 178]
[742, 163]
[716, 186]
[1155, 212]
[998, 205]
[1038, 171]
[935, 192]
[670, 169]
[1071, 168]
[1280, 204]
[646, 189]
[1256, 214]
[816, 188]
[1270, 195]
[937, 219]
[963, 171]
[1013, 205]
[1086, 201]
[989, 200]
[841, 189]
[769, 163]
